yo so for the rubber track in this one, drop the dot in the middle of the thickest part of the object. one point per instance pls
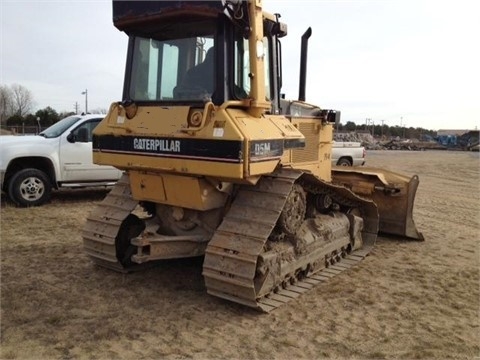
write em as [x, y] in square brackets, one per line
[231, 256]
[103, 223]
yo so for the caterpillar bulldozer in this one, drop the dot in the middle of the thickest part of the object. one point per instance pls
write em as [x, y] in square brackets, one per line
[218, 164]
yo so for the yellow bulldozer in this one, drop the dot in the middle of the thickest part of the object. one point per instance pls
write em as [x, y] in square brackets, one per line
[218, 164]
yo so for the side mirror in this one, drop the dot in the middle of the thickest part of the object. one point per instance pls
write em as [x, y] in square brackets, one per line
[71, 137]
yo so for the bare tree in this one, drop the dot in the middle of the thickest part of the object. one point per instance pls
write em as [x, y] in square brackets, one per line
[22, 100]
[5, 103]
[100, 111]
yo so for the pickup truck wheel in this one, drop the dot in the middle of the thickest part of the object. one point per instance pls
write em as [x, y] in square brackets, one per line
[344, 162]
[29, 187]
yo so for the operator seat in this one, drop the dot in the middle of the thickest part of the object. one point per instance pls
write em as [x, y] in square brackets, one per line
[199, 79]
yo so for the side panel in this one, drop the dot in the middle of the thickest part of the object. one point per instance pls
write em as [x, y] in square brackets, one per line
[185, 155]
[226, 143]
[176, 190]
[156, 140]
[316, 156]
[266, 138]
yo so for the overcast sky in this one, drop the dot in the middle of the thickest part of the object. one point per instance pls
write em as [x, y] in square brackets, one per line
[413, 62]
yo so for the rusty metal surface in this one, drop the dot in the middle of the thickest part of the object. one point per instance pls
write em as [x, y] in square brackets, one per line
[163, 247]
[231, 256]
[393, 193]
[231, 259]
[127, 14]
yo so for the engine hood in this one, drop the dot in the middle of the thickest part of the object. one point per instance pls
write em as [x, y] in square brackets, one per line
[18, 139]
[15, 146]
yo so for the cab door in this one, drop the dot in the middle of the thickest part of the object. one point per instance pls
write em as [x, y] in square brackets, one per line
[76, 156]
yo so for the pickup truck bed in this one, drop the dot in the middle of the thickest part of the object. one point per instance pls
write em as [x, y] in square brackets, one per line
[348, 153]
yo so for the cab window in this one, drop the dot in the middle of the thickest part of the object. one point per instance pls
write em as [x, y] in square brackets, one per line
[242, 68]
[181, 67]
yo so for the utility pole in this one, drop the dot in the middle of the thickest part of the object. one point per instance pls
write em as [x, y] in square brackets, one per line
[367, 122]
[382, 127]
[76, 107]
[401, 122]
[86, 100]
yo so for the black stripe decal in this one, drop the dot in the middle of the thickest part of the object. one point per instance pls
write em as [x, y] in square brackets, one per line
[199, 149]
[216, 159]
[294, 143]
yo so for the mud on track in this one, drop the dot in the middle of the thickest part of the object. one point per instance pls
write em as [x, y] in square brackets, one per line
[406, 300]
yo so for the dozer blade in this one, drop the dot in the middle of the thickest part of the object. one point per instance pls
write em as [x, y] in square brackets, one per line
[393, 193]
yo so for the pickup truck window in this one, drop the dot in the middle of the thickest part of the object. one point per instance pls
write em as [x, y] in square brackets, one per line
[83, 133]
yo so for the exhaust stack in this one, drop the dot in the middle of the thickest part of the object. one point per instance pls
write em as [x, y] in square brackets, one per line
[303, 64]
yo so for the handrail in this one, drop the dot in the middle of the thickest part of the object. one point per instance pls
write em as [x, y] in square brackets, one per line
[209, 108]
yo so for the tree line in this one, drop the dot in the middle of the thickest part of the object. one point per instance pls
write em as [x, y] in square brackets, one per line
[16, 104]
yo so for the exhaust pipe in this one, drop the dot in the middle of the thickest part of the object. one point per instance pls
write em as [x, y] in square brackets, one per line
[303, 64]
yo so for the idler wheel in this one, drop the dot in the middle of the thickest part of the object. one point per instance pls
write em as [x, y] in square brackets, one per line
[293, 212]
[323, 202]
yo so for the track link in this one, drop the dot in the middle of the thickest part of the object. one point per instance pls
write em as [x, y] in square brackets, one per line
[103, 224]
[231, 256]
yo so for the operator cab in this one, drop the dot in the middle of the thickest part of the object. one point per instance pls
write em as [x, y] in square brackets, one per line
[204, 59]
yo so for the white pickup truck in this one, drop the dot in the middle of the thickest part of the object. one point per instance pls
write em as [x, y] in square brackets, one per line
[60, 156]
[348, 153]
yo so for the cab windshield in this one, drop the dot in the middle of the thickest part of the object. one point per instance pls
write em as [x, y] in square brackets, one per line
[179, 63]
[179, 68]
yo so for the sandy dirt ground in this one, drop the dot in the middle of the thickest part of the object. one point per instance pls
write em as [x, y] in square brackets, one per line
[406, 300]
